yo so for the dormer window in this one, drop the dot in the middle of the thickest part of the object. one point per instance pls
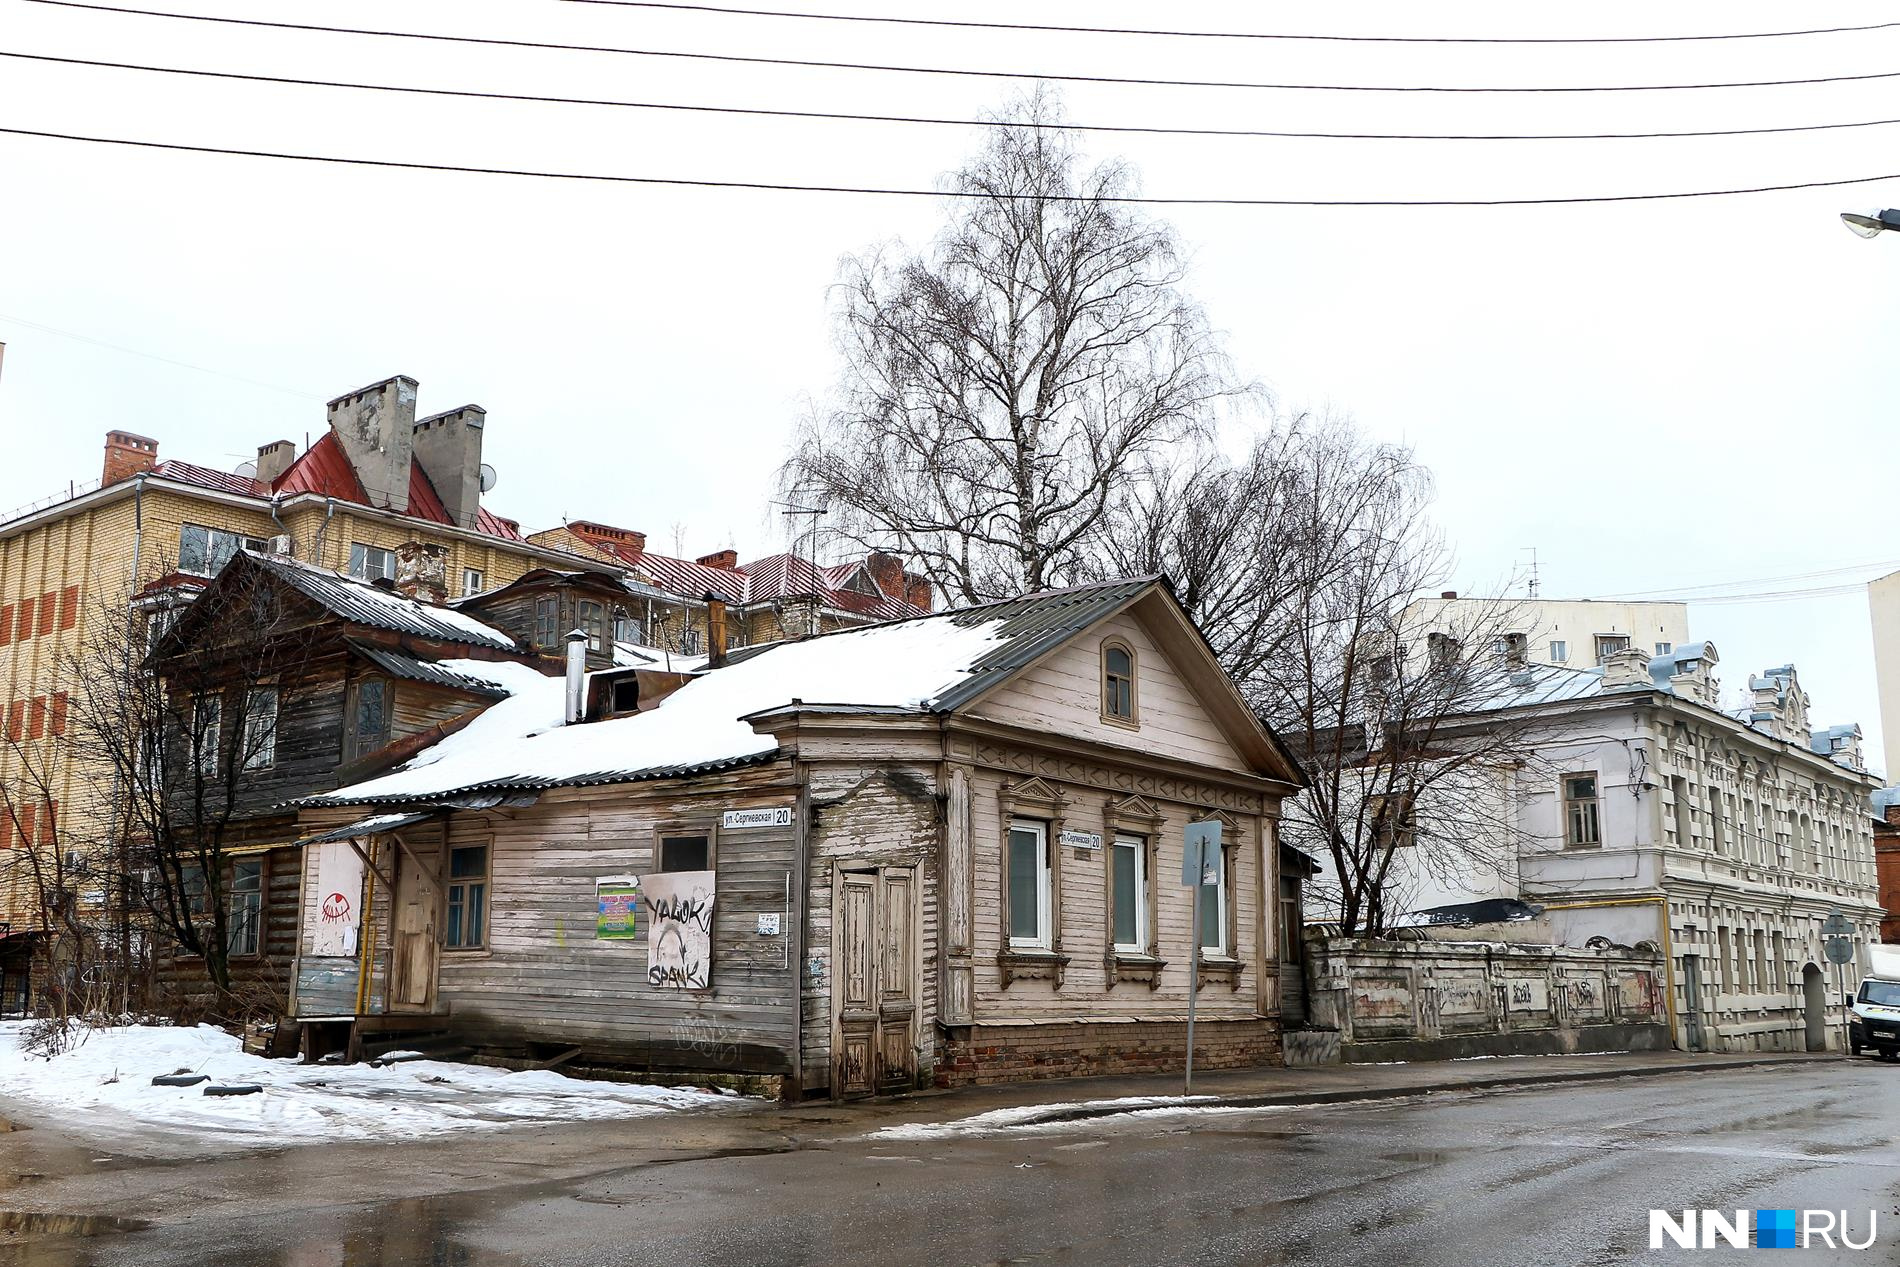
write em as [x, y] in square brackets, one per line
[1118, 683]
[594, 624]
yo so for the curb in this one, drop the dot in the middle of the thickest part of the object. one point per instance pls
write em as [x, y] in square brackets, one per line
[1270, 1099]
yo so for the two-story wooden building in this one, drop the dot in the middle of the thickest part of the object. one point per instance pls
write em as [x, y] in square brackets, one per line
[942, 849]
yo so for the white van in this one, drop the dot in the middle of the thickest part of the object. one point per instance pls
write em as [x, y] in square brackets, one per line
[1874, 1019]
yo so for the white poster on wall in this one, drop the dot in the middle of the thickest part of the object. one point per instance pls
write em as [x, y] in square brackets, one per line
[339, 899]
[679, 928]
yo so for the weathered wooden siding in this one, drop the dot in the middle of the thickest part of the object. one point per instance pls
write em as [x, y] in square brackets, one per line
[1063, 695]
[1088, 991]
[544, 978]
[862, 818]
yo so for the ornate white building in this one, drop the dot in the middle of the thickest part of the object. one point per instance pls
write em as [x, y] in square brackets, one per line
[1650, 815]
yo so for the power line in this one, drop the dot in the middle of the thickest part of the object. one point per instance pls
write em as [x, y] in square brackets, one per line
[1230, 35]
[960, 194]
[807, 63]
[153, 356]
[845, 116]
[1756, 580]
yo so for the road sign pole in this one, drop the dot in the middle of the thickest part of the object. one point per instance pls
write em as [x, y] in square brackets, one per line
[1194, 982]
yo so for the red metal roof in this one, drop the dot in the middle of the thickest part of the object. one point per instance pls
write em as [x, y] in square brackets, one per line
[776, 576]
[325, 470]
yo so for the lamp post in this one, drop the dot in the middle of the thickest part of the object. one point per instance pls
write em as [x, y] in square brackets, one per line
[1869, 223]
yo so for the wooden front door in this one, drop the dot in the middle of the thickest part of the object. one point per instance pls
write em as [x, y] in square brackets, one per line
[412, 942]
[874, 945]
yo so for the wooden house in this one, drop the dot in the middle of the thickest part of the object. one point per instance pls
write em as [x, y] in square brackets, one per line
[336, 679]
[946, 849]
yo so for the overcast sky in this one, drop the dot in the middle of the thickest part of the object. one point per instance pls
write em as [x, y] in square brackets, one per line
[1655, 395]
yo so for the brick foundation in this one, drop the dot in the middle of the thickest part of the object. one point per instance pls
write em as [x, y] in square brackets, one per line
[1020, 1053]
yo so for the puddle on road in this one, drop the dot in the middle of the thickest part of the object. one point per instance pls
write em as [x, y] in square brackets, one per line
[37, 1222]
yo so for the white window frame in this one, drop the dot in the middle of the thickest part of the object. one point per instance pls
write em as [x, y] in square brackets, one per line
[1664, 648]
[260, 754]
[360, 554]
[1043, 940]
[209, 739]
[471, 581]
[1218, 947]
[1139, 847]
[244, 912]
[216, 541]
[1559, 651]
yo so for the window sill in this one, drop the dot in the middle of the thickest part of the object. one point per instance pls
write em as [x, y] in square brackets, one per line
[1128, 965]
[466, 952]
[1023, 964]
[1219, 969]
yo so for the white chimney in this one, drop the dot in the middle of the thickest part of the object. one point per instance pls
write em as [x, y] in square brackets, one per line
[576, 676]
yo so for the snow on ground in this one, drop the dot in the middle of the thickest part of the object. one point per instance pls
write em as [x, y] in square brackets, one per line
[109, 1076]
[1039, 1116]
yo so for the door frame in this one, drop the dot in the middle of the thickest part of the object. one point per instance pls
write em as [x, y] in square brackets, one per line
[877, 957]
[407, 857]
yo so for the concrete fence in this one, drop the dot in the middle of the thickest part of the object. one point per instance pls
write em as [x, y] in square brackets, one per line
[1373, 1000]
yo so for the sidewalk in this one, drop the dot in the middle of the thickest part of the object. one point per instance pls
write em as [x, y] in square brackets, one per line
[1072, 1099]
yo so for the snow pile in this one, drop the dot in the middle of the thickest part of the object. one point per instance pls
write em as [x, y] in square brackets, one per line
[893, 666]
[1053, 1116]
[107, 1079]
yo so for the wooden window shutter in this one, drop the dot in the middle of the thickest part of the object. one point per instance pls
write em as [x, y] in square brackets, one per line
[69, 607]
[48, 613]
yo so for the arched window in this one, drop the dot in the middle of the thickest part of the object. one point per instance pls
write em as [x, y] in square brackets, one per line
[1118, 683]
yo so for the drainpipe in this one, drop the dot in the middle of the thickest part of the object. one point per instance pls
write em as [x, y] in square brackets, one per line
[576, 677]
[138, 524]
[275, 498]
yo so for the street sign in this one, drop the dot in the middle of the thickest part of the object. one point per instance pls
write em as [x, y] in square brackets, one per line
[1839, 950]
[1837, 925]
[1200, 860]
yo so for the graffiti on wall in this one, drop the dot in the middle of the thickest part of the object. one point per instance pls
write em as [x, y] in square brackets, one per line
[679, 906]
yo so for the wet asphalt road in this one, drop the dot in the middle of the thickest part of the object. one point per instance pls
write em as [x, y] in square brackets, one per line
[1528, 1178]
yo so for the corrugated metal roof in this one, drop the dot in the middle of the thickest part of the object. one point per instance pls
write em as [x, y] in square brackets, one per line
[1032, 626]
[404, 666]
[379, 608]
[368, 827]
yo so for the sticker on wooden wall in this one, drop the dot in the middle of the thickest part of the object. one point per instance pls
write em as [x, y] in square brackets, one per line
[619, 898]
[679, 907]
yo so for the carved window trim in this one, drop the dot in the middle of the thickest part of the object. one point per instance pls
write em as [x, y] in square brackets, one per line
[1132, 720]
[1123, 818]
[1227, 965]
[1039, 802]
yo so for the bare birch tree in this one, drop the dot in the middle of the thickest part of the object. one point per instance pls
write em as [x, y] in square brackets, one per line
[1001, 387]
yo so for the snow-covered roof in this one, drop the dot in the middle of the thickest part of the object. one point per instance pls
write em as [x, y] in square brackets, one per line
[520, 741]
[926, 664]
[380, 608]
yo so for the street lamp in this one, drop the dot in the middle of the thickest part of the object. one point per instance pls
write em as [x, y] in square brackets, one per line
[1868, 223]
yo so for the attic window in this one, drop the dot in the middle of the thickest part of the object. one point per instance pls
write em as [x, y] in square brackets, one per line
[594, 624]
[1118, 683]
[862, 584]
[547, 622]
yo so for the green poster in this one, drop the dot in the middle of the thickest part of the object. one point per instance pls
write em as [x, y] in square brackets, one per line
[619, 897]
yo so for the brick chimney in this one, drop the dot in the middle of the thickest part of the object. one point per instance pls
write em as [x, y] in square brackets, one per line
[126, 456]
[719, 559]
[715, 629]
[888, 571]
[376, 427]
[917, 591]
[273, 460]
[422, 573]
[449, 446]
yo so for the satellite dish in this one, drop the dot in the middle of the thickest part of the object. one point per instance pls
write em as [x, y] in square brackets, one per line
[247, 470]
[488, 477]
